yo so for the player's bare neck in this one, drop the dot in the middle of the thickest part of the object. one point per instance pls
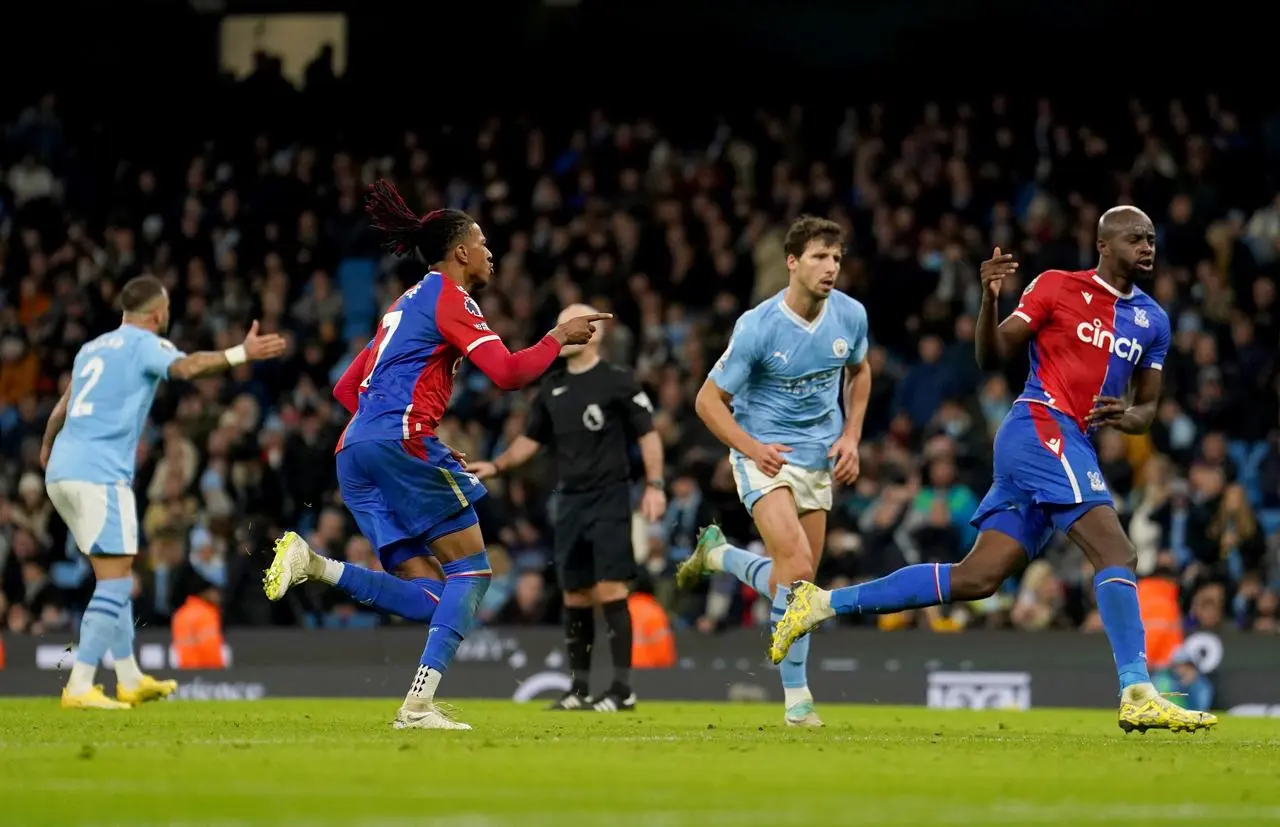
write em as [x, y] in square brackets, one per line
[582, 362]
[804, 304]
[143, 323]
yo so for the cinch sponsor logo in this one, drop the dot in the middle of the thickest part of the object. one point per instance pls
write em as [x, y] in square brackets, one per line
[1096, 335]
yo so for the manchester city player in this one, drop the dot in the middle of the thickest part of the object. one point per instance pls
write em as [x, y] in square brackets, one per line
[774, 399]
[89, 453]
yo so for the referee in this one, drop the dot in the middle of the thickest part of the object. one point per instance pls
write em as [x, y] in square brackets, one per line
[588, 414]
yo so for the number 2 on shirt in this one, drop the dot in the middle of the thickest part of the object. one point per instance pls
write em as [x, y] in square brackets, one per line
[93, 370]
[389, 323]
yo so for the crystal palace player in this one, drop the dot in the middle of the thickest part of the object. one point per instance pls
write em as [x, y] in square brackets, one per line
[1089, 333]
[410, 494]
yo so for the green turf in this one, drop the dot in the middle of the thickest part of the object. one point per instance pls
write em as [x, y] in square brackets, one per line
[340, 763]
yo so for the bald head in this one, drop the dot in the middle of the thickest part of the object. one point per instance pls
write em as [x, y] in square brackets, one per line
[1126, 244]
[1118, 219]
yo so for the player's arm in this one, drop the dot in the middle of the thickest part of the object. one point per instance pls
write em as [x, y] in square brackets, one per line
[347, 389]
[255, 348]
[712, 405]
[857, 377]
[1133, 418]
[857, 392]
[995, 344]
[729, 376]
[1148, 382]
[463, 325]
[57, 419]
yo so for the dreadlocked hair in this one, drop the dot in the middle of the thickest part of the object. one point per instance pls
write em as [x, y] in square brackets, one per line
[432, 235]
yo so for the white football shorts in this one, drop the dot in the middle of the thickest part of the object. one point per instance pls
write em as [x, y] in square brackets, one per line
[810, 489]
[102, 518]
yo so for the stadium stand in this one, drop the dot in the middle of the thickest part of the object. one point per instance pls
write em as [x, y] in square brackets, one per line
[675, 228]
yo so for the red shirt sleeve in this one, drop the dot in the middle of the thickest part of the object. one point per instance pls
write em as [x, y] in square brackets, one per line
[462, 325]
[460, 320]
[347, 389]
[1038, 300]
[512, 371]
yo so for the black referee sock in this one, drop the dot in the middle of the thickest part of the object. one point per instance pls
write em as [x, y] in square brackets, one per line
[618, 618]
[579, 636]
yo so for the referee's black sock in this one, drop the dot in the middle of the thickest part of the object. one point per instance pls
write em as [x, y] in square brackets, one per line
[579, 636]
[618, 618]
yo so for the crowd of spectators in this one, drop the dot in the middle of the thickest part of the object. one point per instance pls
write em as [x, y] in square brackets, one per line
[676, 230]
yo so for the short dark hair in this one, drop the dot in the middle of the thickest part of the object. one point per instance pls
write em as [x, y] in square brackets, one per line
[806, 228]
[140, 291]
[432, 235]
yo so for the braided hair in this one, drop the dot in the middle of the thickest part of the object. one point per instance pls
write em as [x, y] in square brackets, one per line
[432, 235]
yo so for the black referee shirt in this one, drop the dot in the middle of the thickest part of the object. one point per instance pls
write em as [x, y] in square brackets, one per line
[589, 421]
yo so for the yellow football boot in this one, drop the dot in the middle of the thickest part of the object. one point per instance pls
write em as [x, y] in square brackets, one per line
[93, 699]
[1142, 708]
[807, 606]
[148, 689]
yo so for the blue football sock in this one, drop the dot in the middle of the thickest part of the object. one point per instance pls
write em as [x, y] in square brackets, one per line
[793, 667]
[99, 628]
[414, 600]
[466, 581]
[128, 675]
[751, 569]
[913, 587]
[1116, 590]
[122, 644]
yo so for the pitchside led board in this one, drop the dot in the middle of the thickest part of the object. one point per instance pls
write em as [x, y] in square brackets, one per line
[973, 670]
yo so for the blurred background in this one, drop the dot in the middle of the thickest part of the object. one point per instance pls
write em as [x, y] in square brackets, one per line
[646, 160]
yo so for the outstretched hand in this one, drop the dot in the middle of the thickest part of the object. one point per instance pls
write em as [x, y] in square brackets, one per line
[994, 270]
[258, 347]
[579, 329]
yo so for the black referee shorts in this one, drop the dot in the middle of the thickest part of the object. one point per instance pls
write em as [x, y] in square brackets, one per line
[593, 538]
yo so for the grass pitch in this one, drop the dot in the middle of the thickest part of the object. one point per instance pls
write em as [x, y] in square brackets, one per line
[339, 763]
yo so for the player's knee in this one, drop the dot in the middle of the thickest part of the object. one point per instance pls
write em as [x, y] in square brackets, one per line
[797, 567]
[1123, 554]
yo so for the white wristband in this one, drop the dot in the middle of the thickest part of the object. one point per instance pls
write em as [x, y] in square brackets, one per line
[236, 355]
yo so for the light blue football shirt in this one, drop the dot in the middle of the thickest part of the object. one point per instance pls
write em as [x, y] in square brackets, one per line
[785, 374]
[113, 384]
